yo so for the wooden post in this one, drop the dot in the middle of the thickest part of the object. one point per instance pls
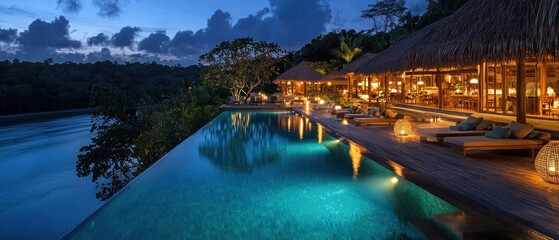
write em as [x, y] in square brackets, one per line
[439, 81]
[348, 86]
[481, 86]
[543, 86]
[369, 89]
[386, 90]
[520, 90]
[504, 89]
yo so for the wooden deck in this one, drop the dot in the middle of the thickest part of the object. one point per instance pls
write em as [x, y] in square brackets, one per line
[503, 185]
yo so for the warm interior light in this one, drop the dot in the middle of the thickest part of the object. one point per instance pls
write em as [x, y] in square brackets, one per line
[329, 83]
[321, 102]
[399, 83]
[474, 81]
[550, 91]
[288, 83]
[375, 84]
[393, 90]
[338, 107]
[420, 82]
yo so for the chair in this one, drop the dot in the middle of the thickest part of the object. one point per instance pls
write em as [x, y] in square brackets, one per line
[479, 129]
[233, 100]
[517, 136]
[388, 117]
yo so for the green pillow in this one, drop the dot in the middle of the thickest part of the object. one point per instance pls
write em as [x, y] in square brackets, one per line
[533, 135]
[498, 133]
[466, 126]
[455, 128]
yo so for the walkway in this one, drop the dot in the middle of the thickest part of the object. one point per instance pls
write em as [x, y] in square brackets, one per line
[504, 184]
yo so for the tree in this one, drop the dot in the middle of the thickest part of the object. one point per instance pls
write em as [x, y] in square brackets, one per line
[349, 48]
[385, 14]
[240, 65]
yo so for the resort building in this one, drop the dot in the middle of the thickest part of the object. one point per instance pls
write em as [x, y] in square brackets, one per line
[475, 60]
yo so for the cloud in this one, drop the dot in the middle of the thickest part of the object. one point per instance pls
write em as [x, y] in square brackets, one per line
[99, 40]
[125, 38]
[103, 55]
[70, 6]
[41, 35]
[155, 43]
[110, 8]
[8, 35]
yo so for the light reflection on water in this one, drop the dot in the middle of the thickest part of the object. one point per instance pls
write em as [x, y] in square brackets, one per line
[246, 175]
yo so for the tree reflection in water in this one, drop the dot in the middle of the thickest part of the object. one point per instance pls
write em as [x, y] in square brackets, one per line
[244, 142]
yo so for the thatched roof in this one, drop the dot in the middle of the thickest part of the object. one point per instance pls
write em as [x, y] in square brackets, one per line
[547, 26]
[395, 58]
[479, 31]
[334, 76]
[301, 72]
[352, 66]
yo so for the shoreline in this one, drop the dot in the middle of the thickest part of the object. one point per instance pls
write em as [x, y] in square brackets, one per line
[17, 118]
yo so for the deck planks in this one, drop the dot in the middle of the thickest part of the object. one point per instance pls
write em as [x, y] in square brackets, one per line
[500, 184]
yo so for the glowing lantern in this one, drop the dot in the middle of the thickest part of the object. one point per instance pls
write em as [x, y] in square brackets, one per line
[474, 81]
[402, 128]
[547, 162]
[420, 82]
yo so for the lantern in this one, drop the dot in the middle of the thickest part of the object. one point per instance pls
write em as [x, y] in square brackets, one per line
[402, 128]
[547, 162]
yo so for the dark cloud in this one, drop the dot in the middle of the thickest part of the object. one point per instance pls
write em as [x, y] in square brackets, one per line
[125, 38]
[41, 34]
[296, 22]
[110, 8]
[103, 55]
[156, 43]
[99, 40]
[71, 6]
[8, 35]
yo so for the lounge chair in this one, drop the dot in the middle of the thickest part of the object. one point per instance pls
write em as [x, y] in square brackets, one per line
[351, 110]
[478, 127]
[371, 113]
[233, 100]
[516, 139]
[388, 118]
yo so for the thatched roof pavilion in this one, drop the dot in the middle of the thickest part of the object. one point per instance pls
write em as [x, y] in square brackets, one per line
[300, 72]
[335, 78]
[395, 58]
[354, 65]
[481, 30]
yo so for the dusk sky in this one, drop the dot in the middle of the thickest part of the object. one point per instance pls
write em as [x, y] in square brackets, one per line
[166, 31]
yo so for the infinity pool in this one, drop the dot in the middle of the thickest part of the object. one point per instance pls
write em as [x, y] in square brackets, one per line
[264, 175]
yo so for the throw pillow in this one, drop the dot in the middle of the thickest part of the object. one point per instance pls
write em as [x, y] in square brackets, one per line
[533, 135]
[455, 128]
[499, 133]
[466, 125]
[519, 130]
[390, 114]
[483, 125]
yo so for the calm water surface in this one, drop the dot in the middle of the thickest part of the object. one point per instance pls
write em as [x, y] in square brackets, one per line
[40, 195]
[255, 175]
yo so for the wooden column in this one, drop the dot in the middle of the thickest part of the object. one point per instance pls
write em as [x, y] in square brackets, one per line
[439, 82]
[543, 86]
[348, 86]
[505, 91]
[481, 86]
[386, 90]
[520, 90]
[369, 88]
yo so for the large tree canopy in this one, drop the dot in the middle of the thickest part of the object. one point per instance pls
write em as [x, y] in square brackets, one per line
[241, 65]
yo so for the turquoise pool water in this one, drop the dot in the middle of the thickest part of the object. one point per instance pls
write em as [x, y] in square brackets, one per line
[262, 175]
